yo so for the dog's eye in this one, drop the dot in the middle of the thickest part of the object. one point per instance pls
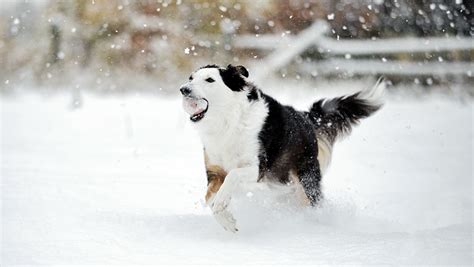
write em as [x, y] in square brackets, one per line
[210, 80]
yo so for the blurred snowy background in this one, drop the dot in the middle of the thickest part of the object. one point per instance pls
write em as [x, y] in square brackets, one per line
[100, 166]
[102, 43]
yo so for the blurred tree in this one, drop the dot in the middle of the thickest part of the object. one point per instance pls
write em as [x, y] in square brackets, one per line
[426, 18]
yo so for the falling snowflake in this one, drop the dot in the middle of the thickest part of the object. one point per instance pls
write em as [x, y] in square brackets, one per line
[223, 8]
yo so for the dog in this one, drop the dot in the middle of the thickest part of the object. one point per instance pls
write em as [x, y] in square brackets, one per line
[249, 137]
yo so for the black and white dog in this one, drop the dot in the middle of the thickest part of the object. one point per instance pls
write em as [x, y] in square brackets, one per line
[249, 137]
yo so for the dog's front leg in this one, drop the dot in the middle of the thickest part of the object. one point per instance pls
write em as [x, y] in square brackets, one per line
[220, 203]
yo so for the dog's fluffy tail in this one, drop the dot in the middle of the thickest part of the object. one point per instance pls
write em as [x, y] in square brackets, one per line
[334, 118]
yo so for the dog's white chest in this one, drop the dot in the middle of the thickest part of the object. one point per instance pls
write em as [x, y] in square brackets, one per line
[233, 152]
[231, 139]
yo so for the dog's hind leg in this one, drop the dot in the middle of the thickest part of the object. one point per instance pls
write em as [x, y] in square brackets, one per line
[309, 175]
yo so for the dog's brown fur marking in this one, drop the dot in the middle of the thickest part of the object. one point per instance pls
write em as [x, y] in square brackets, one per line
[301, 195]
[215, 178]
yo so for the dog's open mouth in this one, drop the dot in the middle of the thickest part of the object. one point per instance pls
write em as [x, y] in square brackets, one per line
[196, 107]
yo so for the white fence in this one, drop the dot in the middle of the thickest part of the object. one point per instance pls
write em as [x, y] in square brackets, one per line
[343, 54]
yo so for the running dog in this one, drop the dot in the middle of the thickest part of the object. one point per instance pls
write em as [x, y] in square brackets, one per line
[249, 137]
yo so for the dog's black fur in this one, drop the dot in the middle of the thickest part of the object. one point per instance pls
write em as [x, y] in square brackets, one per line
[289, 138]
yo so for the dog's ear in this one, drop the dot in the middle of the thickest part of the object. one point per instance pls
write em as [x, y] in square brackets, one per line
[239, 69]
[232, 77]
[242, 70]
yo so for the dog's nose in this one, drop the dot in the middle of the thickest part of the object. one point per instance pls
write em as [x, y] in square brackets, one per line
[185, 90]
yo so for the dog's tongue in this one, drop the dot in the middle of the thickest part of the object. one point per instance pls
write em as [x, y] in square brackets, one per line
[194, 106]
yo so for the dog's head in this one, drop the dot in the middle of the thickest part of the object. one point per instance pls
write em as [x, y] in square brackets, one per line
[212, 89]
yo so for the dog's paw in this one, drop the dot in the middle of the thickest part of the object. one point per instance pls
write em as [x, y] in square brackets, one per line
[220, 201]
[223, 216]
[226, 220]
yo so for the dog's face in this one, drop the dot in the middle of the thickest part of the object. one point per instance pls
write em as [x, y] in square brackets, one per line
[211, 89]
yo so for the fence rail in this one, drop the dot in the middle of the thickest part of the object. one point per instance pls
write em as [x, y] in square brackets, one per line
[361, 47]
[373, 67]
[284, 48]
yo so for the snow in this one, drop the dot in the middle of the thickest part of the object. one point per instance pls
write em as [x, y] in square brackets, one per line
[121, 181]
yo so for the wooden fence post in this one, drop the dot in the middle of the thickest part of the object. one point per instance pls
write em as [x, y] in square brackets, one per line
[284, 54]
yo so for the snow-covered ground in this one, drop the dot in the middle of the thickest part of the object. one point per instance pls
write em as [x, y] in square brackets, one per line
[121, 181]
